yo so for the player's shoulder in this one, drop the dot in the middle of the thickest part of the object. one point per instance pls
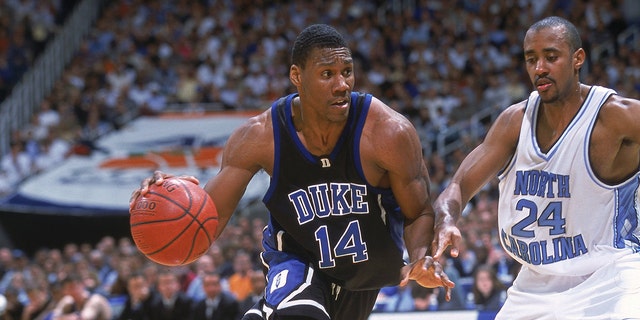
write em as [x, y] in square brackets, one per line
[513, 114]
[253, 136]
[381, 116]
[257, 125]
[505, 130]
[516, 109]
[620, 112]
[622, 104]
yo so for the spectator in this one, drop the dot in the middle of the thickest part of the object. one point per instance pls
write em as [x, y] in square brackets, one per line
[14, 307]
[137, 305]
[170, 303]
[80, 304]
[40, 304]
[203, 265]
[99, 263]
[17, 272]
[48, 115]
[218, 304]
[223, 265]
[488, 292]
[240, 280]
[424, 298]
[258, 283]
[17, 163]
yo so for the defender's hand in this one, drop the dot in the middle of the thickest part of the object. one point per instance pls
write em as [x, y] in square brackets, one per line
[446, 235]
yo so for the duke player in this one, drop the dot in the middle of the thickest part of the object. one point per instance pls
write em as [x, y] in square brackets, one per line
[567, 159]
[348, 192]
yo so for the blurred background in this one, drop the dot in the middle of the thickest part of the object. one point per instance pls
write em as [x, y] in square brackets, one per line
[96, 95]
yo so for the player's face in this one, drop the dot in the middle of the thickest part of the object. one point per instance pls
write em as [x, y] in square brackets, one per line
[551, 64]
[325, 83]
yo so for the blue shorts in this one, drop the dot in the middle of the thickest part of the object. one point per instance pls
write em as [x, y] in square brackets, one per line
[295, 289]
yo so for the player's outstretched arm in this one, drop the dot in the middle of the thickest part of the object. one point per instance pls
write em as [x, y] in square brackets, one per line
[475, 171]
[398, 151]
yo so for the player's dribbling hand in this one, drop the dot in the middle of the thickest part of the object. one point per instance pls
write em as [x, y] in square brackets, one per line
[157, 178]
[428, 273]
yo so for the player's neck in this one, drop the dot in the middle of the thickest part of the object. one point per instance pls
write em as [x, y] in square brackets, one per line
[319, 137]
[555, 116]
[563, 109]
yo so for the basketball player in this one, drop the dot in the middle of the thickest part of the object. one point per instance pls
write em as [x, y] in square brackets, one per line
[567, 161]
[348, 193]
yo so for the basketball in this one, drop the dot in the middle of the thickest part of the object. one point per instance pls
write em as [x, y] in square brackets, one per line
[174, 223]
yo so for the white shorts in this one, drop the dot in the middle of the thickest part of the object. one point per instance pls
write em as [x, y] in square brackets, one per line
[612, 292]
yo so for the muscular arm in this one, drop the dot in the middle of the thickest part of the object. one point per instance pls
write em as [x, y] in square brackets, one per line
[248, 150]
[394, 144]
[476, 170]
[615, 142]
[409, 181]
[391, 140]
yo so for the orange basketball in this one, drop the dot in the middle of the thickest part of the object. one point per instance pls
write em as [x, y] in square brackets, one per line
[174, 223]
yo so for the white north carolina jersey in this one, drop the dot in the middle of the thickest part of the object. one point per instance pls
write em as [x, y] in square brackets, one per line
[555, 216]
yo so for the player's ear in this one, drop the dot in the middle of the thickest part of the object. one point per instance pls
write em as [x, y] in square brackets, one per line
[579, 57]
[294, 75]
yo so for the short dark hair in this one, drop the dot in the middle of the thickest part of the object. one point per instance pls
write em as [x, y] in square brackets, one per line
[570, 32]
[315, 36]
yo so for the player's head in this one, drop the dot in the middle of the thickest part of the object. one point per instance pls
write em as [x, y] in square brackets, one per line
[564, 28]
[322, 72]
[553, 57]
[316, 36]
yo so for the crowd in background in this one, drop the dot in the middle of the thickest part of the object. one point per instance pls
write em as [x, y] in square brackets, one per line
[25, 29]
[437, 62]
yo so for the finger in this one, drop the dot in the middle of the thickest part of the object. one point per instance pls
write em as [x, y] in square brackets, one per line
[450, 284]
[405, 273]
[158, 178]
[446, 281]
[190, 179]
[133, 198]
[439, 247]
[405, 280]
[454, 247]
[144, 186]
[447, 296]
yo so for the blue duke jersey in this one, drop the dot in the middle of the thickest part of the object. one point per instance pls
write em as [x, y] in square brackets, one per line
[555, 215]
[324, 211]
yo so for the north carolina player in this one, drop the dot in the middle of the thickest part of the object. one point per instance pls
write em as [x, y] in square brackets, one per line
[567, 159]
[348, 193]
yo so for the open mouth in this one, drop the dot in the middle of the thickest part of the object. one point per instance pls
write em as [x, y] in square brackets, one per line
[341, 103]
